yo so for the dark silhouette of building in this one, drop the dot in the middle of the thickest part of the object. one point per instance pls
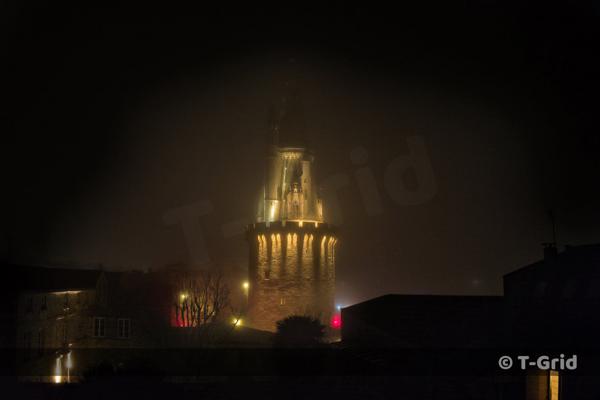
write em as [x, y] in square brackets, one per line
[423, 321]
[555, 301]
[549, 308]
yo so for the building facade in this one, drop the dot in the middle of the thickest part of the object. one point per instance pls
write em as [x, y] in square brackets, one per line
[53, 320]
[68, 321]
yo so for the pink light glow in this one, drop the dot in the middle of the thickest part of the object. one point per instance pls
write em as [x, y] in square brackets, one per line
[336, 321]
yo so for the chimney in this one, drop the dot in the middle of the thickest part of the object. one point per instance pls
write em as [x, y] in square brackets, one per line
[550, 251]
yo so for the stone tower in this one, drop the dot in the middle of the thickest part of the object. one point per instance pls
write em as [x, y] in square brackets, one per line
[292, 249]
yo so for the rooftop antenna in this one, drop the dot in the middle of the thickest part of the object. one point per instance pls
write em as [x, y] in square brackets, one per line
[553, 221]
[281, 110]
[277, 113]
[550, 249]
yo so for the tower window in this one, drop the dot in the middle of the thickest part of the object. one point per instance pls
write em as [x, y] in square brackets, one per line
[282, 301]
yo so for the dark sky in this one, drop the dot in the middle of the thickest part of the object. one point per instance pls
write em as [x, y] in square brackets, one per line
[119, 117]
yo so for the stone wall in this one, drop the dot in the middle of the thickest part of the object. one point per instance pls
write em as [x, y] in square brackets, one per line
[292, 271]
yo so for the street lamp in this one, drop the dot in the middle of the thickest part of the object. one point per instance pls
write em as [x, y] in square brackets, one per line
[58, 370]
[246, 287]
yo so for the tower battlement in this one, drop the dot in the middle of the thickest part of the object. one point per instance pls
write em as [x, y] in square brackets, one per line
[291, 271]
[287, 225]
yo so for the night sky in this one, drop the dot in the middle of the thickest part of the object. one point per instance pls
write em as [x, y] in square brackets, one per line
[115, 118]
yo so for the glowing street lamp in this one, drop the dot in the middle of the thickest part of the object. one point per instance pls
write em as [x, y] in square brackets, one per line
[69, 365]
[237, 322]
[58, 370]
[246, 287]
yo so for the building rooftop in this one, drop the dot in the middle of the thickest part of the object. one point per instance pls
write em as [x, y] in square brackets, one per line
[46, 279]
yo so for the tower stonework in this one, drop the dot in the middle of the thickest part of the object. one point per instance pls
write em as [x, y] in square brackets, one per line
[292, 249]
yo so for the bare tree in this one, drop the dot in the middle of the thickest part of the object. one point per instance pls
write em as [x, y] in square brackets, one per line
[200, 298]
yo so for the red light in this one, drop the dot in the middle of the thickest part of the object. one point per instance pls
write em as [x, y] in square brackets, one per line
[177, 321]
[336, 321]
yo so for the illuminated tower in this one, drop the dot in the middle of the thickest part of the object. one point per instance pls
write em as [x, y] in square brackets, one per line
[292, 249]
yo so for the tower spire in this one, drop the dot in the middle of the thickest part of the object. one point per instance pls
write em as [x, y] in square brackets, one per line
[287, 124]
[292, 125]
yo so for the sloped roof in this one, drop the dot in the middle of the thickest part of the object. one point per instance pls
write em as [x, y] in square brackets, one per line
[400, 301]
[573, 256]
[424, 320]
[46, 279]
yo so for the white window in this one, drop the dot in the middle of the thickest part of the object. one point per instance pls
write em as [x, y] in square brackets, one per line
[99, 323]
[123, 327]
